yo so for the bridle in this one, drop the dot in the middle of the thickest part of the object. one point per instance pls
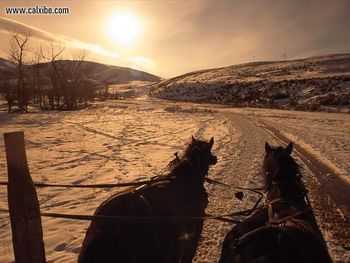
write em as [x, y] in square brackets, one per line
[272, 220]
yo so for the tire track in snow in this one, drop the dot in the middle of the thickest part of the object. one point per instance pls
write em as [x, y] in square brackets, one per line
[241, 155]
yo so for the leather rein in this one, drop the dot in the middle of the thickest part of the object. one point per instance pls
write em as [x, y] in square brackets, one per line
[273, 220]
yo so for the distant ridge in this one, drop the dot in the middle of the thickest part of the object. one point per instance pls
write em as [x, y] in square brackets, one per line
[315, 83]
[7, 68]
[99, 72]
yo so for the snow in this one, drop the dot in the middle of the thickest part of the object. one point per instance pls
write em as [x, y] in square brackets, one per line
[127, 140]
[107, 143]
[319, 83]
[325, 135]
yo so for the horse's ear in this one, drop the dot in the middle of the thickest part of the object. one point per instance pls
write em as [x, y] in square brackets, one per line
[211, 142]
[268, 148]
[289, 148]
[193, 139]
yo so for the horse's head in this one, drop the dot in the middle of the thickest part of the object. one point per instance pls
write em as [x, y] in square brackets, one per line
[199, 154]
[279, 166]
[202, 151]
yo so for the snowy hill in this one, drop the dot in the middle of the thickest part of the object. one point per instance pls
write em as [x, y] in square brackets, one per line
[99, 72]
[315, 83]
[115, 74]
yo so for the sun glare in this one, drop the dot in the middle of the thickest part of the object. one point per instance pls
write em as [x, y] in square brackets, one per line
[124, 28]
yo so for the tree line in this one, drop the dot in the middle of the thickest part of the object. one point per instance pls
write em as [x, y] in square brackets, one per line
[41, 78]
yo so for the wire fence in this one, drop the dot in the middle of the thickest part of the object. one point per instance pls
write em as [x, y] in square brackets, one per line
[223, 218]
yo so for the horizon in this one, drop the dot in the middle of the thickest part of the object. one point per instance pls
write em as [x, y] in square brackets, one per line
[138, 35]
[202, 69]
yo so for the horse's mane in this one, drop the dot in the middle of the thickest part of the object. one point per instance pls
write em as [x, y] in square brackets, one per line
[183, 166]
[173, 163]
[179, 165]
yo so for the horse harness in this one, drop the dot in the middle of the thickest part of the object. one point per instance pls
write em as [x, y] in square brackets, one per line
[273, 220]
[150, 209]
[167, 180]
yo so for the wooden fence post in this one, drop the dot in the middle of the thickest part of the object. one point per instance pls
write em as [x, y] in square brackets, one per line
[27, 233]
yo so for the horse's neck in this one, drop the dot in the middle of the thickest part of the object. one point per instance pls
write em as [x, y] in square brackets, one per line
[187, 171]
[292, 193]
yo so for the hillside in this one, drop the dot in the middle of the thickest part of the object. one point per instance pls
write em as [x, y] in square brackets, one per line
[7, 68]
[114, 74]
[316, 83]
[101, 73]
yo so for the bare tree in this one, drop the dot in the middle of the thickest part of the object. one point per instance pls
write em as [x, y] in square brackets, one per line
[53, 70]
[71, 86]
[75, 77]
[17, 53]
[38, 83]
[63, 84]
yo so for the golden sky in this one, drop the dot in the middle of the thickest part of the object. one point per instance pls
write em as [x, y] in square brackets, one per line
[168, 38]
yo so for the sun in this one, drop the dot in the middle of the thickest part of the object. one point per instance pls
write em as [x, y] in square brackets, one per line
[124, 28]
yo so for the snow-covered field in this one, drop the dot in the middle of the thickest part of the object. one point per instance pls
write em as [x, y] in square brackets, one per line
[130, 140]
[106, 143]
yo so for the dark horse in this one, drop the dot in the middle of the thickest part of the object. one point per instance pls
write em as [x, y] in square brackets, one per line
[181, 194]
[284, 229]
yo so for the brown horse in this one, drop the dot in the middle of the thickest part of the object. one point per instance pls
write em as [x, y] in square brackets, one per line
[174, 238]
[284, 229]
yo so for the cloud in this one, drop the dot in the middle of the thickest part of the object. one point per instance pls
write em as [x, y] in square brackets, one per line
[205, 34]
[142, 62]
[98, 52]
[9, 24]
[220, 33]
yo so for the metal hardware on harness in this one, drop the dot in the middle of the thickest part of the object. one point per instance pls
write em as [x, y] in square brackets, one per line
[272, 220]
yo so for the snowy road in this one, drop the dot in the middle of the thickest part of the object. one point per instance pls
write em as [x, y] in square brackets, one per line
[134, 139]
[244, 168]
